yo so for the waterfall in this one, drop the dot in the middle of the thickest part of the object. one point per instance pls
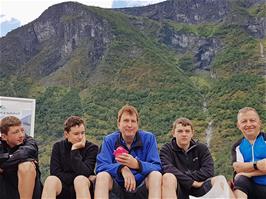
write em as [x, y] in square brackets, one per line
[208, 133]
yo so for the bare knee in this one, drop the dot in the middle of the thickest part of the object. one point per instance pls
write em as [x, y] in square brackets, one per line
[27, 168]
[169, 180]
[52, 181]
[81, 181]
[104, 178]
[154, 178]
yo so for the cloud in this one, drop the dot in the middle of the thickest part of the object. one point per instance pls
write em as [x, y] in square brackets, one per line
[7, 24]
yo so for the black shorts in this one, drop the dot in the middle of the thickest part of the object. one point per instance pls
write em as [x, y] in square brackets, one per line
[9, 186]
[68, 191]
[119, 192]
[249, 187]
[197, 192]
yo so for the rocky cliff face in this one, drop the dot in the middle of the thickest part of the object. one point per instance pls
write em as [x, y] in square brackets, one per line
[74, 37]
[55, 34]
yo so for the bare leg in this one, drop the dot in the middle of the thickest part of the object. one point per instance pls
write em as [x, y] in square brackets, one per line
[104, 184]
[26, 179]
[52, 187]
[154, 183]
[169, 186]
[82, 185]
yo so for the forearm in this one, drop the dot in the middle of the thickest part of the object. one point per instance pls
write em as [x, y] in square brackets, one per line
[243, 167]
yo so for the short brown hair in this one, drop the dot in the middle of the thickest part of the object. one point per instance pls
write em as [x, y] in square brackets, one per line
[8, 122]
[246, 109]
[73, 121]
[129, 109]
[183, 121]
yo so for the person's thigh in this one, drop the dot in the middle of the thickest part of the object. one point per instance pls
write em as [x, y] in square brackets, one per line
[244, 184]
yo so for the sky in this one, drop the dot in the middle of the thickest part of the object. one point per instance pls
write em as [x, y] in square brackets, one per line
[15, 13]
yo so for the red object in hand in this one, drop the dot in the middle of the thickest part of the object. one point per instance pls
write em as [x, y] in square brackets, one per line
[119, 151]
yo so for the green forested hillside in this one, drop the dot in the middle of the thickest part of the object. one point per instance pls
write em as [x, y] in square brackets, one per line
[139, 68]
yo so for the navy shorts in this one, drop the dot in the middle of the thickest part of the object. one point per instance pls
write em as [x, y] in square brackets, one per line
[119, 192]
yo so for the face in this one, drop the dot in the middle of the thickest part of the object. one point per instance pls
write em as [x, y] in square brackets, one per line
[183, 135]
[249, 124]
[128, 126]
[76, 134]
[15, 136]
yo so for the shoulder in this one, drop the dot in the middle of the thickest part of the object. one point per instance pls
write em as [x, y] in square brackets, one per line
[201, 148]
[112, 135]
[167, 147]
[91, 145]
[146, 134]
[237, 143]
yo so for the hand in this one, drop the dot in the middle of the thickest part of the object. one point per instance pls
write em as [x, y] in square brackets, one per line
[237, 166]
[80, 144]
[129, 178]
[1, 170]
[261, 164]
[197, 184]
[128, 160]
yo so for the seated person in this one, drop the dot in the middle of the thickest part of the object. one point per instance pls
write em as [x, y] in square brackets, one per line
[72, 164]
[134, 171]
[249, 156]
[187, 165]
[19, 170]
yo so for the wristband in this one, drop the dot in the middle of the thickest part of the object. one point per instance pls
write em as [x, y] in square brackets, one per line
[255, 165]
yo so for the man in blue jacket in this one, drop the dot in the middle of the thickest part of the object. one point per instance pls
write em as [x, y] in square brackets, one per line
[249, 156]
[134, 172]
[19, 170]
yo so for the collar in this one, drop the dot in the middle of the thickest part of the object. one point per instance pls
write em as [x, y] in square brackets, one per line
[176, 148]
[137, 142]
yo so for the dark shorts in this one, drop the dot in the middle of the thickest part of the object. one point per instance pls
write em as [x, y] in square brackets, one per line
[9, 187]
[119, 192]
[250, 188]
[197, 192]
[68, 191]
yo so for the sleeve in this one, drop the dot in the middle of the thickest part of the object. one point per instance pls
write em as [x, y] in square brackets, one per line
[28, 151]
[236, 154]
[206, 165]
[84, 165]
[169, 167]
[105, 159]
[152, 163]
[56, 168]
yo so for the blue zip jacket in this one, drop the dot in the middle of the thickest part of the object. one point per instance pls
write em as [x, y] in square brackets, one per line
[143, 148]
[246, 152]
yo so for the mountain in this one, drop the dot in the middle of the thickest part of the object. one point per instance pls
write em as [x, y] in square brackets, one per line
[198, 59]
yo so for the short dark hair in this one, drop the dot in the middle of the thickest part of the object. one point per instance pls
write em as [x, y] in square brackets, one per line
[183, 121]
[73, 121]
[8, 122]
[128, 109]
